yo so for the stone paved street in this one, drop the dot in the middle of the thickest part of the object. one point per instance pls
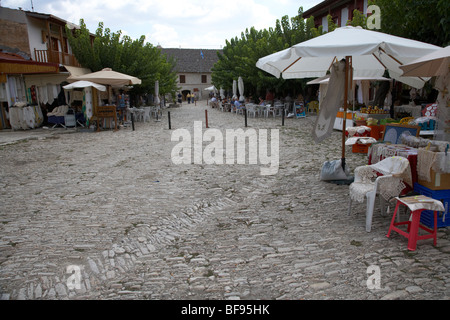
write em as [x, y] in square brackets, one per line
[132, 225]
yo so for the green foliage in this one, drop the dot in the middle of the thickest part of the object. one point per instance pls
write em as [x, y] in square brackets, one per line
[331, 25]
[423, 20]
[359, 20]
[122, 54]
[241, 54]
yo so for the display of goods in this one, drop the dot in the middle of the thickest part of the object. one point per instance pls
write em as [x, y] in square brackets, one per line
[430, 110]
[373, 110]
[406, 120]
[372, 122]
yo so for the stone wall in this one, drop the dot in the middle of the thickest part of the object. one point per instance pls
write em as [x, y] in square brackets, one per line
[13, 31]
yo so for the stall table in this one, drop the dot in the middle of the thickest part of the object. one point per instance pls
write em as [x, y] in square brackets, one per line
[339, 121]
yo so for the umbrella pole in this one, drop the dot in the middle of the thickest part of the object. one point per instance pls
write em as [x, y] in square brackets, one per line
[348, 67]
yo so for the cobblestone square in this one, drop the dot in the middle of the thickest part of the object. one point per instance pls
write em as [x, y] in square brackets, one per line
[137, 226]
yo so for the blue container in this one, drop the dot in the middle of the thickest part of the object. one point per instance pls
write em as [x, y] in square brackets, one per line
[427, 218]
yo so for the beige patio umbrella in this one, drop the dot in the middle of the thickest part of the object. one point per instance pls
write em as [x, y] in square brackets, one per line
[436, 63]
[107, 77]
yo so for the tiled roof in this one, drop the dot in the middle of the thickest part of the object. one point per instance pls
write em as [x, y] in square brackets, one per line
[191, 60]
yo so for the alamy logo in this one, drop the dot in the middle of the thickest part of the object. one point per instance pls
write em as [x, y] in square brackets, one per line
[374, 279]
[230, 148]
[374, 20]
[74, 280]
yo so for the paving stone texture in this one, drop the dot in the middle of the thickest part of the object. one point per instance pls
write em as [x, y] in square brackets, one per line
[108, 215]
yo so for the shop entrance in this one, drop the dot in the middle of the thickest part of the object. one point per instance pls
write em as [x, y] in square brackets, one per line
[184, 94]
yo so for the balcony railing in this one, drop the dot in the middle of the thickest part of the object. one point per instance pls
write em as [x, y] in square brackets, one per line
[56, 57]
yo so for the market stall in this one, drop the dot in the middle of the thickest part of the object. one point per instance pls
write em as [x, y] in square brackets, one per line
[109, 78]
[346, 52]
[430, 169]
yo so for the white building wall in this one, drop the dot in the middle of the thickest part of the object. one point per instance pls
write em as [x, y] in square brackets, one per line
[194, 81]
[366, 4]
[35, 28]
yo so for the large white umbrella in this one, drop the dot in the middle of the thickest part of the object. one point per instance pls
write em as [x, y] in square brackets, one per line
[367, 54]
[211, 88]
[107, 77]
[241, 89]
[234, 89]
[434, 64]
[372, 53]
[84, 84]
[157, 100]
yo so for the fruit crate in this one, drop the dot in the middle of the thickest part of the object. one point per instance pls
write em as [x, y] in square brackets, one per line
[427, 218]
[360, 148]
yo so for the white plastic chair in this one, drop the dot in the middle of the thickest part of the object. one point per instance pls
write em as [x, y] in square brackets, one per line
[135, 112]
[287, 108]
[270, 109]
[251, 110]
[154, 111]
[139, 114]
[146, 114]
[129, 112]
[278, 106]
[395, 171]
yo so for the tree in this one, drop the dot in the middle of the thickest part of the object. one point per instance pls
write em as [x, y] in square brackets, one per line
[240, 55]
[359, 20]
[122, 54]
[423, 20]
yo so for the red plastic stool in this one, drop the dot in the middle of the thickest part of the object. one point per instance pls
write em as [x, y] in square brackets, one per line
[416, 204]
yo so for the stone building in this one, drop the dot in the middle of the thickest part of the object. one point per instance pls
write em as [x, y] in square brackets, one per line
[193, 67]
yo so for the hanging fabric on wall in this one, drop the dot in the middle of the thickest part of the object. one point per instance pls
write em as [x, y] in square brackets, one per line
[43, 95]
[87, 104]
[12, 90]
[50, 96]
[3, 96]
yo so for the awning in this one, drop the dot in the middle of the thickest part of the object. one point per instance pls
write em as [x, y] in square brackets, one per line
[77, 71]
[11, 63]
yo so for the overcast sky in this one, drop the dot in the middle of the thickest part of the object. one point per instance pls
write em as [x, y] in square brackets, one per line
[171, 23]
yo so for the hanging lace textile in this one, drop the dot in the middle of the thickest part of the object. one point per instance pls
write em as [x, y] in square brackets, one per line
[87, 104]
[425, 160]
[443, 110]
[331, 103]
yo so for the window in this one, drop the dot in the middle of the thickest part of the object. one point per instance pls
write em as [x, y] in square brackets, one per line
[182, 78]
[204, 78]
